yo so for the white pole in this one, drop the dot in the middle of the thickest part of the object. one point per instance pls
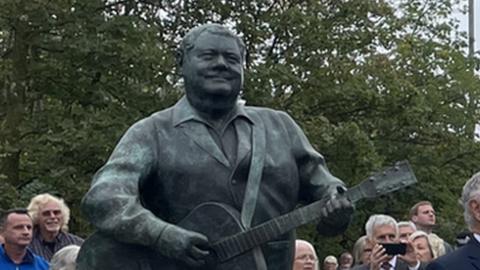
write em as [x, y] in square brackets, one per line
[471, 21]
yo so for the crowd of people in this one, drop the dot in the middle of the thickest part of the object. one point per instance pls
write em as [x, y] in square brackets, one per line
[37, 237]
[423, 249]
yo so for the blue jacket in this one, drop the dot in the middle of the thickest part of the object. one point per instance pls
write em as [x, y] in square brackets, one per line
[30, 262]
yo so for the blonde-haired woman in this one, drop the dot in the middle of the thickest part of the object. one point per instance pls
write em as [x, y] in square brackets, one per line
[437, 244]
[422, 245]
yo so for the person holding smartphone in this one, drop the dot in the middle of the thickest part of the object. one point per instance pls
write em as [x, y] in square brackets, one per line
[388, 252]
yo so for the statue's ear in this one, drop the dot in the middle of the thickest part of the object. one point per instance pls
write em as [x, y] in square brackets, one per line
[179, 60]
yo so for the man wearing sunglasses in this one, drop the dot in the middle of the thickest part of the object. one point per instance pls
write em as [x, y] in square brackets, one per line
[50, 218]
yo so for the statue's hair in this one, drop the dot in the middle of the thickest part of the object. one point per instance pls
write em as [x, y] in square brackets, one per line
[37, 202]
[188, 41]
[65, 258]
[379, 220]
[471, 190]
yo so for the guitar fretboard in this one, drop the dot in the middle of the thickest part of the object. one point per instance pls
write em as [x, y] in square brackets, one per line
[244, 241]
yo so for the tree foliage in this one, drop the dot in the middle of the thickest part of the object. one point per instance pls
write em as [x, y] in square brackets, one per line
[371, 83]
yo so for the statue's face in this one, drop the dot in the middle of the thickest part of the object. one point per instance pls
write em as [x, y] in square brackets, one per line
[213, 72]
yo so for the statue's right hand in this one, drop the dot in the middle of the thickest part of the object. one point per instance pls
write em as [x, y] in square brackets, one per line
[187, 246]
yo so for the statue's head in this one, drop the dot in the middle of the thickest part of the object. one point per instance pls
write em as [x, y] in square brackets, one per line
[211, 60]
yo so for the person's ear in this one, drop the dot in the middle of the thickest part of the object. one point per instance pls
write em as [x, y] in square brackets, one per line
[414, 218]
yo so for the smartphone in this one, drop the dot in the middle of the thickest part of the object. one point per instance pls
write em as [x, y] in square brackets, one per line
[395, 248]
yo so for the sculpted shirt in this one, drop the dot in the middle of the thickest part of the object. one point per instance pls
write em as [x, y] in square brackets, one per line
[29, 262]
[167, 164]
[47, 249]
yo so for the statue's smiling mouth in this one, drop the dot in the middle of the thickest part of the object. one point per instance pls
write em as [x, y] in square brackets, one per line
[218, 78]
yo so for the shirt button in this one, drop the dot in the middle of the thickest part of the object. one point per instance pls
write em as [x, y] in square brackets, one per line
[234, 181]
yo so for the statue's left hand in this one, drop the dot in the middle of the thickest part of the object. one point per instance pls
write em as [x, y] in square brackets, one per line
[336, 215]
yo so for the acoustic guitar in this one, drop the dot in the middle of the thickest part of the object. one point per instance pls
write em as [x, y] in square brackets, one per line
[231, 246]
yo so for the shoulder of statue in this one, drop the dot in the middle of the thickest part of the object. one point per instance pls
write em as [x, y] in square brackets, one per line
[263, 111]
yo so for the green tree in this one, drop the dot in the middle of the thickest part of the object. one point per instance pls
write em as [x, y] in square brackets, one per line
[74, 75]
[370, 83]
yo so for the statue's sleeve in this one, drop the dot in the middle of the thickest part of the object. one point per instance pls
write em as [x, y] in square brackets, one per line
[316, 181]
[113, 204]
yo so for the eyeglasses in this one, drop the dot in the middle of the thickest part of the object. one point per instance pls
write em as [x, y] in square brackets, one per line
[306, 257]
[49, 213]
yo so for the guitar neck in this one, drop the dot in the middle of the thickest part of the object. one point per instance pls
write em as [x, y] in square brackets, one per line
[241, 242]
[391, 179]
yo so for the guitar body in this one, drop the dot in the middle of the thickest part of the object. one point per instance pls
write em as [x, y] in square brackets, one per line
[215, 220]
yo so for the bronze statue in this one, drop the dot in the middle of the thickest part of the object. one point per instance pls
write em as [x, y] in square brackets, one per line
[176, 186]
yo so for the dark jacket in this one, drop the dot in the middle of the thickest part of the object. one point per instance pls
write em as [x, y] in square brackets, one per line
[400, 265]
[47, 250]
[466, 257]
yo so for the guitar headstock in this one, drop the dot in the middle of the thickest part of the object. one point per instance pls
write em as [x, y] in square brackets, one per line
[390, 179]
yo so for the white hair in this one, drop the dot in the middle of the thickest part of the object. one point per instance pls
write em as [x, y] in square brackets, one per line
[407, 223]
[418, 234]
[299, 242]
[330, 259]
[471, 190]
[39, 201]
[379, 220]
[65, 258]
[438, 245]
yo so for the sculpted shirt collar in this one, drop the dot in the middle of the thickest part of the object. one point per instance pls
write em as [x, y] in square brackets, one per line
[183, 112]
